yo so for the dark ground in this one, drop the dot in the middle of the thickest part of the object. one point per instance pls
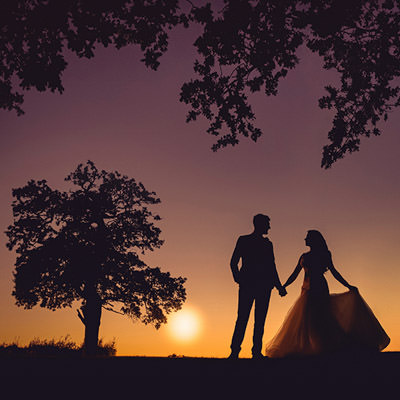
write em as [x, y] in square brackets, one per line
[356, 376]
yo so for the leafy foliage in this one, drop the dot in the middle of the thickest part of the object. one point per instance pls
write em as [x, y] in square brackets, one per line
[245, 46]
[35, 33]
[360, 40]
[251, 45]
[71, 244]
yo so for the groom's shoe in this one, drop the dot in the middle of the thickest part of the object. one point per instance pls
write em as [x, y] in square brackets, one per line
[233, 356]
[259, 356]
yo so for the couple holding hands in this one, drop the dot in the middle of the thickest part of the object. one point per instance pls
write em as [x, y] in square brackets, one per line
[318, 322]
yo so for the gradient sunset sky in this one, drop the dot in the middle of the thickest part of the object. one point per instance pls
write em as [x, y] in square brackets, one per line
[125, 117]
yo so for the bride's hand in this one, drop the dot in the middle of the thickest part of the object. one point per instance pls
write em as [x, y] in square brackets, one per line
[350, 287]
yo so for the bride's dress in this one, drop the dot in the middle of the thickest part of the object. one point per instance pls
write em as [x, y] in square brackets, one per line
[320, 322]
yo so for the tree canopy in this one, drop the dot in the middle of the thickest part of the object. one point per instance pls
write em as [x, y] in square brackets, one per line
[86, 245]
[245, 46]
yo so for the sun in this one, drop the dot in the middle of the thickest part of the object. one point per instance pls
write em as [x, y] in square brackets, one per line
[184, 325]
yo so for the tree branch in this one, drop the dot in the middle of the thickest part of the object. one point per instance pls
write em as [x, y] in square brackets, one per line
[81, 317]
[109, 308]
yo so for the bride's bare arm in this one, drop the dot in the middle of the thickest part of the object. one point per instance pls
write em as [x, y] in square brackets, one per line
[294, 275]
[339, 277]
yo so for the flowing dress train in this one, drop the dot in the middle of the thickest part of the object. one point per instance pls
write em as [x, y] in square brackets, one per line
[320, 322]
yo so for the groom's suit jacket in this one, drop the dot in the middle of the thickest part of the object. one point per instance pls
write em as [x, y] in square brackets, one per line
[258, 262]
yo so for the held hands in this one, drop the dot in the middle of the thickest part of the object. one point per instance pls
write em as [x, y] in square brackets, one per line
[282, 291]
[350, 287]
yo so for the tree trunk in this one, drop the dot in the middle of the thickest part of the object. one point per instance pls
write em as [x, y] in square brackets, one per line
[91, 311]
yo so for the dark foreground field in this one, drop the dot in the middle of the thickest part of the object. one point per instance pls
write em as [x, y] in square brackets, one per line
[358, 376]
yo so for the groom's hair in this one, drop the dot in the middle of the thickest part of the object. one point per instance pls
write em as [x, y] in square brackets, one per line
[260, 219]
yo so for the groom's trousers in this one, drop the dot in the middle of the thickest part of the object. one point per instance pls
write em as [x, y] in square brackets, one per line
[247, 296]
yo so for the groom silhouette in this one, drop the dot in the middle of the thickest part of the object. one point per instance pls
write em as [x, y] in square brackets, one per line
[256, 278]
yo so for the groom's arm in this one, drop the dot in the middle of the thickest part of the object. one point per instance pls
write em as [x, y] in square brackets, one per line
[276, 281]
[235, 261]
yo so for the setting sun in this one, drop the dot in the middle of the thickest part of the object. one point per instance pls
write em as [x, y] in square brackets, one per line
[184, 325]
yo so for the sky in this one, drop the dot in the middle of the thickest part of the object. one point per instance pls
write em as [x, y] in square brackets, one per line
[125, 117]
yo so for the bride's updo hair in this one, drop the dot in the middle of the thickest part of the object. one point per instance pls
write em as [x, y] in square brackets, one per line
[320, 247]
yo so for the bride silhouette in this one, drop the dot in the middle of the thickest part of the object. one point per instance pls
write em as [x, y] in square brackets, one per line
[320, 322]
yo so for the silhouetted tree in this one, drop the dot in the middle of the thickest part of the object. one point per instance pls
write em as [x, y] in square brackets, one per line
[245, 46]
[84, 245]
